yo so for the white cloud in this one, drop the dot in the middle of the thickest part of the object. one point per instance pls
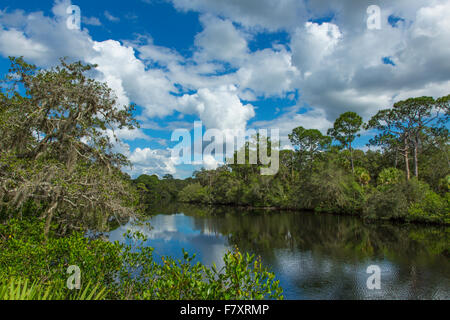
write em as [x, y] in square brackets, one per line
[149, 89]
[268, 72]
[129, 135]
[218, 108]
[148, 161]
[110, 17]
[210, 163]
[265, 14]
[220, 40]
[93, 21]
[344, 67]
[15, 43]
[43, 40]
[313, 43]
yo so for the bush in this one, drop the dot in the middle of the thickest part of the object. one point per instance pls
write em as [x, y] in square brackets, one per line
[386, 203]
[444, 185]
[195, 193]
[411, 200]
[390, 176]
[432, 208]
[332, 190]
[362, 176]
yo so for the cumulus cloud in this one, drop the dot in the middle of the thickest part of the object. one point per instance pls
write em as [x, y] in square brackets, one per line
[341, 61]
[42, 39]
[147, 88]
[346, 70]
[210, 162]
[14, 43]
[218, 108]
[263, 14]
[313, 43]
[220, 40]
[268, 72]
[151, 161]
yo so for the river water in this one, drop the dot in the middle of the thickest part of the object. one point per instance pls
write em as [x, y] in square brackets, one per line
[314, 256]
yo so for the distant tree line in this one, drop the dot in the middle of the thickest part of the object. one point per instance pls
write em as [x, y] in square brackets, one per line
[325, 173]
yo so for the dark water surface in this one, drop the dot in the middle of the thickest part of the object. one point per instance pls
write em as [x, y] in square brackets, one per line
[313, 256]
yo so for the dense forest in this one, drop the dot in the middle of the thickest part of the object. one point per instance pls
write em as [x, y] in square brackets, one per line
[407, 178]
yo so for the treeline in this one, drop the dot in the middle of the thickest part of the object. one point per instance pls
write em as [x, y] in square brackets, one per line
[154, 191]
[407, 178]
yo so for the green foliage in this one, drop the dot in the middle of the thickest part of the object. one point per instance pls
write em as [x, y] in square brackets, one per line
[154, 191]
[390, 176]
[242, 278]
[406, 126]
[431, 208]
[386, 203]
[444, 184]
[346, 128]
[310, 142]
[411, 200]
[332, 190]
[19, 289]
[362, 176]
[195, 193]
[120, 271]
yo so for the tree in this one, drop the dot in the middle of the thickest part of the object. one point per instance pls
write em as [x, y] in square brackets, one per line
[56, 145]
[407, 122]
[392, 134]
[345, 131]
[419, 114]
[309, 143]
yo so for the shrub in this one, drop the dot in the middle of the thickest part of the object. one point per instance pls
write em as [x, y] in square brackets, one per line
[411, 200]
[195, 193]
[332, 190]
[386, 203]
[390, 176]
[444, 184]
[362, 176]
[432, 208]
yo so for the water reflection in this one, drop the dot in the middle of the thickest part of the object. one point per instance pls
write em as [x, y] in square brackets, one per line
[314, 256]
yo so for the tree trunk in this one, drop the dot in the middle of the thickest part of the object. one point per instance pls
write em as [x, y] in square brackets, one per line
[351, 158]
[416, 160]
[408, 175]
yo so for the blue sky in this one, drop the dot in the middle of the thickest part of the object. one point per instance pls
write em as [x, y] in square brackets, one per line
[238, 64]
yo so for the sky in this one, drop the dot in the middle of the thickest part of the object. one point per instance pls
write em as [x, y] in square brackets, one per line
[238, 64]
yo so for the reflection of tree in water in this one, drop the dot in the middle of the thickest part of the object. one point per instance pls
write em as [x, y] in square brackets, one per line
[327, 255]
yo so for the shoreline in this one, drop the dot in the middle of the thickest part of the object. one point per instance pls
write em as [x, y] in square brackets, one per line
[396, 221]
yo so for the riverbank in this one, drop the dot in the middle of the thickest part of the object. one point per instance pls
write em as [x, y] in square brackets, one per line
[356, 215]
